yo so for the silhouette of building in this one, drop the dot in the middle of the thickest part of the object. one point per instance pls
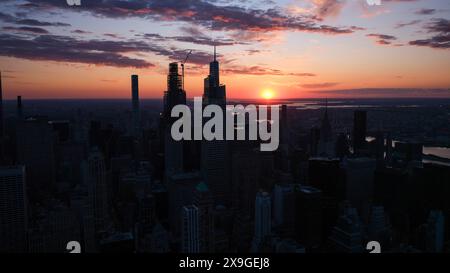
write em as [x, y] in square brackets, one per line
[135, 105]
[359, 130]
[181, 189]
[19, 108]
[204, 202]
[1, 110]
[435, 232]
[378, 228]
[36, 150]
[190, 230]
[263, 216]
[347, 234]
[13, 209]
[175, 95]
[280, 203]
[308, 216]
[326, 147]
[359, 180]
[94, 173]
[214, 153]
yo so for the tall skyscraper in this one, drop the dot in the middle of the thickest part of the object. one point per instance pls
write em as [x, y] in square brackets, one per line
[308, 216]
[135, 105]
[95, 177]
[1, 107]
[359, 130]
[214, 153]
[19, 107]
[280, 192]
[435, 232]
[175, 95]
[13, 209]
[263, 216]
[36, 150]
[204, 202]
[326, 143]
[190, 230]
[2, 144]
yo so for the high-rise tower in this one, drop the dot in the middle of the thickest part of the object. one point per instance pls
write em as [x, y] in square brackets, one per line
[214, 153]
[135, 104]
[175, 95]
[1, 107]
[359, 130]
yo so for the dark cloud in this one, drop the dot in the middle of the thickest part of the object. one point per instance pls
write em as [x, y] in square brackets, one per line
[382, 39]
[329, 8]
[29, 22]
[200, 40]
[319, 85]
[388, 92]
[35, 30]
[441, 39]
[98, 52]
[406, 24]
[79, 31]
[206, 14]
[425, 11]
[260, 70]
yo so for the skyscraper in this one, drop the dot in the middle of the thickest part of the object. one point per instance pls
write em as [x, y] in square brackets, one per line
[204, 202]
[326, 144]
[190, 230]
[135, 105]
[13, 209]
[359, 130]
[175, 95]
[95, 177]
[435, 232]
[19, 107]
[347, 234]
[1, 107]
[263, 216]
[308, 216]
[214, 153]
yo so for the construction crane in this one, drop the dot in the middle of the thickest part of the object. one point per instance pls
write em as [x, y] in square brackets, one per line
[182, 68]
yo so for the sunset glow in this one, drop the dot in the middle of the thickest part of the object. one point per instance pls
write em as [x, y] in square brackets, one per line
[267, 94]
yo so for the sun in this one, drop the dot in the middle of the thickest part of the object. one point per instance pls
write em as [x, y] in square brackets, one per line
[267, 94]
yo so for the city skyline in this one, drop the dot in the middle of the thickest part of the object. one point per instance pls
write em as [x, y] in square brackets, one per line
[282, 49]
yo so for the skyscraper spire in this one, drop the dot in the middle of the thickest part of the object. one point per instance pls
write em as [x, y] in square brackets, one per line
[214, 52]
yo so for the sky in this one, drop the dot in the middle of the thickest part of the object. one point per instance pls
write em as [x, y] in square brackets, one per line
[288, 48]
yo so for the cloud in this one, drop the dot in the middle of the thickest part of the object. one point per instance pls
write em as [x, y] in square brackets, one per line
[441, 39]
[425, 11]
[319, 85]
[382, 39]
[29, 22]
[328, 8]
[35, 30]
[79, 31]
[202, 13]
[406, 24]
[67, 49]
[260, 70]
[388, 92]
[200, 40]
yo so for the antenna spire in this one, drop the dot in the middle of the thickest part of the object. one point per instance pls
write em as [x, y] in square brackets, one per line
[214, 52]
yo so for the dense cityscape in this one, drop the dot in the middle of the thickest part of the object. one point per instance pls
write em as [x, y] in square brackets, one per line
[108, 174]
